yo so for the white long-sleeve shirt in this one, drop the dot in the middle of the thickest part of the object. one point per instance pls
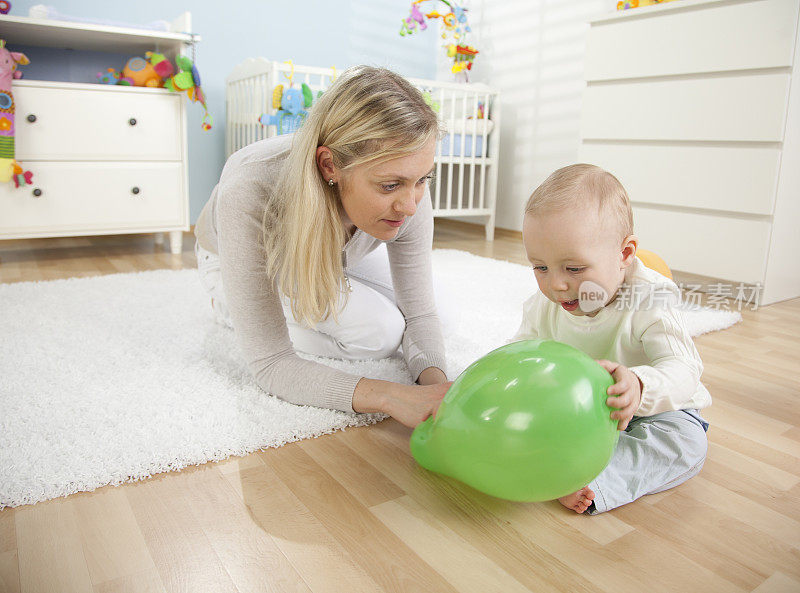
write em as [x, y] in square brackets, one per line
[642, 329]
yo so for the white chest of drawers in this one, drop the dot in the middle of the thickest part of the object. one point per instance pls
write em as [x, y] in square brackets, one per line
[695, 106]
[105, 159]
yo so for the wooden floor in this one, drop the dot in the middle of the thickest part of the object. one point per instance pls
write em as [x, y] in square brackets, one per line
[353, 512]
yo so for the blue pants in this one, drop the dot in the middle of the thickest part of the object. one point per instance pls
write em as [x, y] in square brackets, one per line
[653, 454]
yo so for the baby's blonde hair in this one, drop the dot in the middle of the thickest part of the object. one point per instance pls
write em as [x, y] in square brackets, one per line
[575, 184]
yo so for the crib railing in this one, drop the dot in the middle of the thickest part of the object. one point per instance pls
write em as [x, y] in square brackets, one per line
[465, 180]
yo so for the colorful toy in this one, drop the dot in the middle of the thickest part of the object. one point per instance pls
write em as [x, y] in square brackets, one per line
[411, 22]
[627, 4]
[160, 63]
[141, 73]
[527, 422]
[461, 19]
[455, 20]
[187, 79]
[110, 76]
[454, 31]
[291, 105]
[463, 56]
[9, 167]
[654, 262]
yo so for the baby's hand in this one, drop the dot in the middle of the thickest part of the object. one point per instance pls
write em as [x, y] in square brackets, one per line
[627, 391]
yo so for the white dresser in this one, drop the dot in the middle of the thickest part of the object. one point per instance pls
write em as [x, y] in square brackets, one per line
[105, 159]
[695, 106]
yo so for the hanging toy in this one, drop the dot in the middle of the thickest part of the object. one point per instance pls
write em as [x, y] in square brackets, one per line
[454, 31]
[9, 167]
[186, 79]
[454, 20]
[463, 56]
[291, 105]
[410, 23]
[461, 26]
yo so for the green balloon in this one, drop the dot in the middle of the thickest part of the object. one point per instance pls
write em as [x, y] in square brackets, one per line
[526, 422]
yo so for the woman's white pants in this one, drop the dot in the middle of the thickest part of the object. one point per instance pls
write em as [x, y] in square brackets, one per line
[369, 326]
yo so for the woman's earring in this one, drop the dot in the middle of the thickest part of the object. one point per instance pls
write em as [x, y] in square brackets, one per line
[330, 182]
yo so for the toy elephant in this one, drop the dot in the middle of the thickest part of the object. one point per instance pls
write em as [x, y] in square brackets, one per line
[291, 105]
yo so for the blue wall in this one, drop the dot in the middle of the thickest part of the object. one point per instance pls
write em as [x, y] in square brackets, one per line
[339, 33]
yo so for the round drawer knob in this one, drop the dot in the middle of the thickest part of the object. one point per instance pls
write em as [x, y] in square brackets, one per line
[132, 121]
[31, 118]
[135, 191]
[37, 192]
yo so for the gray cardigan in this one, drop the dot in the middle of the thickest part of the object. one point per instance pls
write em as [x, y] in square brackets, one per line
[230, 225]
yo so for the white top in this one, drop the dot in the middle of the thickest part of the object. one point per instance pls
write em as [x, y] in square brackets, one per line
[642, 329]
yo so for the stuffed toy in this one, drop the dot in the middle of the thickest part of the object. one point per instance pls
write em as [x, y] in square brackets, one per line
[149, 71]
[140, 72]
[9, 168]
[290, 105]
[160, 63]
[187, 79]
[110, 76]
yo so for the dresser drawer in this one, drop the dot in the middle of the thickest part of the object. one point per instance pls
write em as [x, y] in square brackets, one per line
[685, 39]
[84, 197]
[729, 178]
[85, 123]
[729, 248]
[748, 107]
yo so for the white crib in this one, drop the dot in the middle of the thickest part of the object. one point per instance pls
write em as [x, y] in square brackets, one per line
[465, 181]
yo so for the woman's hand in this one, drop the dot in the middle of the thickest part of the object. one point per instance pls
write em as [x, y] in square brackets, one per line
[626, 392]
[408, 404]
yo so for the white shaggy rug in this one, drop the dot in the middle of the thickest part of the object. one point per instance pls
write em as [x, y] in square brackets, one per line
[115, 378]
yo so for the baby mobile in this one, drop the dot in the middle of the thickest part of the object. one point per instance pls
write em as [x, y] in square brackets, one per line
[455, 28]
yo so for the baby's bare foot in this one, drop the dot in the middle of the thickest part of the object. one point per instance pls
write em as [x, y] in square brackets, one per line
[578, 501]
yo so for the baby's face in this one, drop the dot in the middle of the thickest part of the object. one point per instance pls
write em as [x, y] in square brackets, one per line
[567, 248]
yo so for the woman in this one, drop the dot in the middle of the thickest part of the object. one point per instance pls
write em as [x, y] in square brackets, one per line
[297, 232]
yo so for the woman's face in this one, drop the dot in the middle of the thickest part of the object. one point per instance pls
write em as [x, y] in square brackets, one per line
[377, 198]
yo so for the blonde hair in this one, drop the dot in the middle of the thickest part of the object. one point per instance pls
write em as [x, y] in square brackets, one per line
[368, 114]
[572, 185]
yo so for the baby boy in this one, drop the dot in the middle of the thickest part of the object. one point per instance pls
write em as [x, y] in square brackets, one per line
[598, 297]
